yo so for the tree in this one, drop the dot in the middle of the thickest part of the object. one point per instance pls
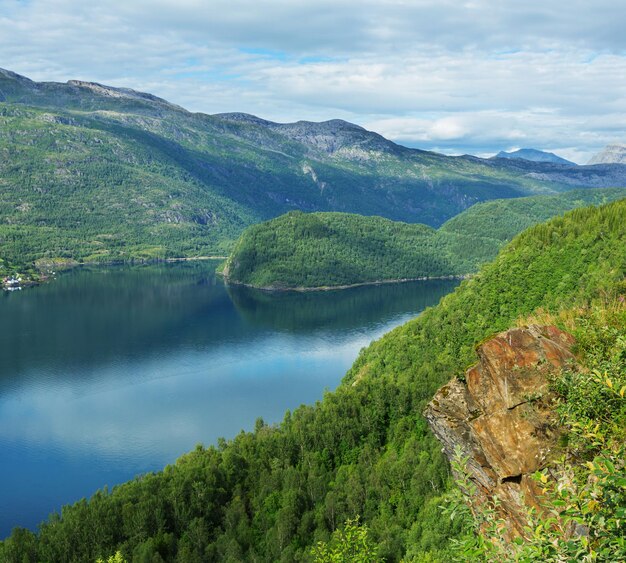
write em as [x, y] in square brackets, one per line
[350, 545]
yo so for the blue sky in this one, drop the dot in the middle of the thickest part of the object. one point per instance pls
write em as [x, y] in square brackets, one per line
[472, 76]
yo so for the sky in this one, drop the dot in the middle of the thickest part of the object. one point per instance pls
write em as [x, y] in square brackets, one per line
[474, 76]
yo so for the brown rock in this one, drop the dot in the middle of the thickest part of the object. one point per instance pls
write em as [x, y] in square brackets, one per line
[501, 418]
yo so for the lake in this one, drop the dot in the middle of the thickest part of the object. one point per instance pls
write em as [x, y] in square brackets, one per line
[106, 373]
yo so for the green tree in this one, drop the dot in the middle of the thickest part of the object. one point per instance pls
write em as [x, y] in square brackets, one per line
[351, 544]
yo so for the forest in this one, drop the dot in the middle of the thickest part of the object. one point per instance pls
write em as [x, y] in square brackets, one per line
[365, 449]
[318, 250]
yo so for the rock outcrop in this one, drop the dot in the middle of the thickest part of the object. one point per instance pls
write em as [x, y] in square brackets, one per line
[611, 154]
[501, 417]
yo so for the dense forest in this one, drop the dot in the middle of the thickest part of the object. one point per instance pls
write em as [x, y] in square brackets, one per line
[299, 250]
[365, 449]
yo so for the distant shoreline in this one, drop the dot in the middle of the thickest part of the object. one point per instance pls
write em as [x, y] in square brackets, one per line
[46, 277]
[271, 289]
[191, 259]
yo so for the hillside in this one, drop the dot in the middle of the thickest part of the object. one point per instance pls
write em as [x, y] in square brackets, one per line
[299, 250]
[95, 173]
[534, 155]
[365, 449]
[313, 250]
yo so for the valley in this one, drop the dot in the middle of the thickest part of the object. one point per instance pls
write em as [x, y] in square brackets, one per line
[95, 174]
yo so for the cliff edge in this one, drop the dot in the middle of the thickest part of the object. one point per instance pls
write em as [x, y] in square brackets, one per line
[501, 417]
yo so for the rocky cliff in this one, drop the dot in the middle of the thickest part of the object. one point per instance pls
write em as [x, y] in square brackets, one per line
[501, 417]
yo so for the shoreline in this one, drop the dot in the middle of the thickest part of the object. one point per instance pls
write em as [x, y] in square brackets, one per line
[271, 289]
[46, 277]
[191, 259]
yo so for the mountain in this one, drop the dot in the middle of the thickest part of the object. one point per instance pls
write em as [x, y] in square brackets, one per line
[365, 449]
[535, 155]
[321, 250]
[611, 154]
[95, 173]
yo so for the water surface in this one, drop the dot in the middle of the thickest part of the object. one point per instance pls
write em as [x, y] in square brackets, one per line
[109, 373]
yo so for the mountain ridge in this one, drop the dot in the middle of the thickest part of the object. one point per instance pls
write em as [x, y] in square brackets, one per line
[97, 173]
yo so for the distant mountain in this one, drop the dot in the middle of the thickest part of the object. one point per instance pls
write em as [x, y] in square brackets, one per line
[320, 250]
[534, 155]
[91, 172]
[611, 154]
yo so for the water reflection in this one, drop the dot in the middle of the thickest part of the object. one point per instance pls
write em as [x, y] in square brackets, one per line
[107, 373]
[340, 310]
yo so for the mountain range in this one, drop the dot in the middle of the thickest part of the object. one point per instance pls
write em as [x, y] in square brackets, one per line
[98, 174]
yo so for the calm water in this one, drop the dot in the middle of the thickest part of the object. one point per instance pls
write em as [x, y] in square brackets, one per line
[108, 373]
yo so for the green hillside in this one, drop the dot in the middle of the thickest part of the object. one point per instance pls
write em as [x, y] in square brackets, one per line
[334, 249]
[299, 250]
[94, 173]
[364, 450]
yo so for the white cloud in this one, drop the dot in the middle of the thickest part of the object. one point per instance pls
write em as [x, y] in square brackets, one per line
[464, 77]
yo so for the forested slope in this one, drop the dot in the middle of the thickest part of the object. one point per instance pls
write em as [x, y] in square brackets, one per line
[365, 449]
[301, 250]
[334, 249]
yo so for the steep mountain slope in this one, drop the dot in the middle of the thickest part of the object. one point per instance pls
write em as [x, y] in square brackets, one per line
[363, 450]
[299, 250]
[611, 154]
[91, 172]
[534, 155]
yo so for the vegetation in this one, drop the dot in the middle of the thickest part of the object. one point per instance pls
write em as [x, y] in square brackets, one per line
[95, 174]
[350, 544]
[299, 250]
[334, 249]
[117, 558]
[583, 513]
[365, 449]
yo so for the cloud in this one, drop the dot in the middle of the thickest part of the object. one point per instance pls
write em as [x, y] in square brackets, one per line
[437, 72]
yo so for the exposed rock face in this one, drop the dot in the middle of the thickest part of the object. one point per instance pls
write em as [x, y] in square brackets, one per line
[501, 416]
[335, 137]
[611, 154]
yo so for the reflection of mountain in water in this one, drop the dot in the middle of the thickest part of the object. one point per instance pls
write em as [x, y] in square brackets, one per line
[341, 310]
[91, 316]
[107, 372]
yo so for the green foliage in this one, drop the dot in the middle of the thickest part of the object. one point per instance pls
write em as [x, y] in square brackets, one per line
[117, 558]
[335, 249]
[351, 544]
[482, 536]
[273, 494]
[583, 512]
